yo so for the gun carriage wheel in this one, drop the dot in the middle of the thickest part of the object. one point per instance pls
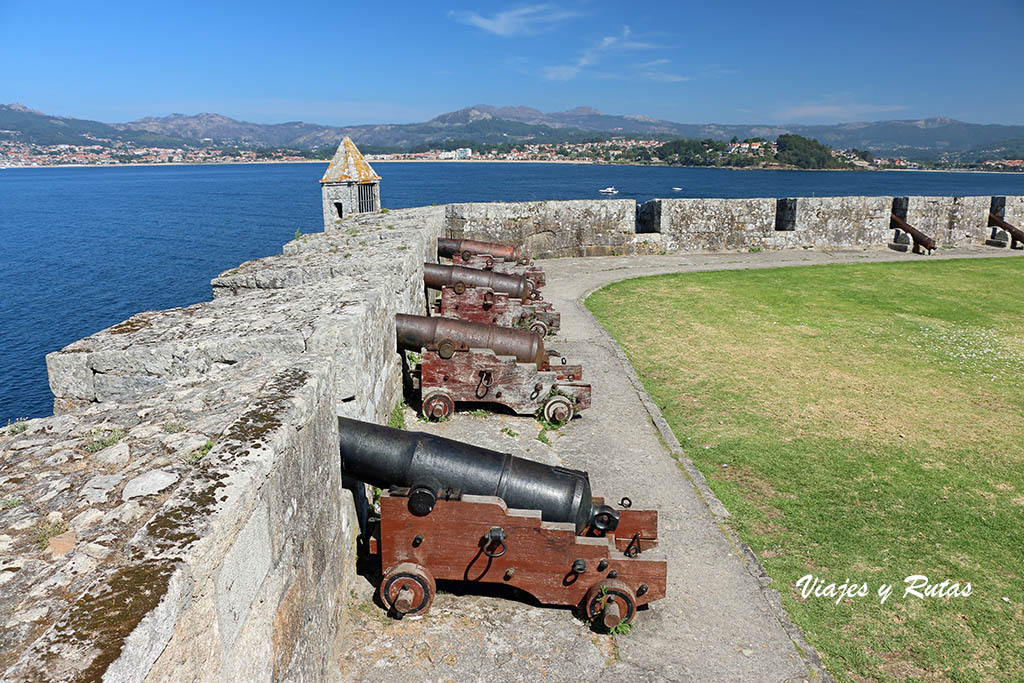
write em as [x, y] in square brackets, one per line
[407, 589]
[558, 410]
[610, 601]
[438, 405]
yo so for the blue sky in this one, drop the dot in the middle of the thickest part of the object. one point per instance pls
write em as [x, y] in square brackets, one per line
[345, 63]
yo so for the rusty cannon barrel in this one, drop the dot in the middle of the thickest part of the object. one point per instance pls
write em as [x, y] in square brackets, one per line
[446, 336]
[459, 278]
[448, 248]
[995, 220]
[920, 239]
[426, 464]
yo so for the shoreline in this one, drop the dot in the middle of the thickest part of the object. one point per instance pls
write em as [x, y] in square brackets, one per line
[521, 161]
[572, 162]
[173, 163]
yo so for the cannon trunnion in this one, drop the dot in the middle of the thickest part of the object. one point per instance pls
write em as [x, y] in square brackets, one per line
[465, 361]
[462, 513]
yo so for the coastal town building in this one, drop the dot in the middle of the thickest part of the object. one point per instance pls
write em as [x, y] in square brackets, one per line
[17, 153]
[350, 185]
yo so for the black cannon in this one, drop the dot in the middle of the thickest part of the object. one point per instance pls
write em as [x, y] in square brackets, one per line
[458, 512]
[426, 464]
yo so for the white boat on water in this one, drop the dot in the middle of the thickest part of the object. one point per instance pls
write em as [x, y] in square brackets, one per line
[609, 190]
[677, 189]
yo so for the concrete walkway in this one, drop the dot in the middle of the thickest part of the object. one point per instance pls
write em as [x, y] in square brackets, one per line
[721, 621]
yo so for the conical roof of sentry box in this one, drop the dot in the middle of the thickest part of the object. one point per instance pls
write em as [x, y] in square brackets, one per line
[349, 166]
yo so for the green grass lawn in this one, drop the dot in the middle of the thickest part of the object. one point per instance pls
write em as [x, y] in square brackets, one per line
[861, 423]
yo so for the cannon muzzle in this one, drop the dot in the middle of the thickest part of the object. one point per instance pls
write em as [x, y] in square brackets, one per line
[437, 276]
[446, 336]
[386, 457]
[448, 247]
[920, 239]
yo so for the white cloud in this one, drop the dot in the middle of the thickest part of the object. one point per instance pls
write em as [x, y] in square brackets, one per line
[527, 20]
[565, 72]
[716, 71]
[593, 54]
[652, 71]
[639, 45]
[663, 77]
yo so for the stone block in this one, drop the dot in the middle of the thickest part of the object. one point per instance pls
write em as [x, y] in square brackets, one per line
[950, 220]
[1014, 213]
[96, 489]
[716, 224]
[838, 222]
[193, 653]
[288, 622]
[70, 378]
[241, 575]
[147, 641]
[251, 658]
[206, 339]
[973, 220]
[148, 484]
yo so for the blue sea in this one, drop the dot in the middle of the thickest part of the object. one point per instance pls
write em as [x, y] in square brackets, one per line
[84, 248]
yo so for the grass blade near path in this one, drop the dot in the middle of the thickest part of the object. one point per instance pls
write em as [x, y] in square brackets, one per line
[863, 423]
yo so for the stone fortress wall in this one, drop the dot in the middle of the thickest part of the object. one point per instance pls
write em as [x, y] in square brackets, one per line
[593, 228]
[190, 474]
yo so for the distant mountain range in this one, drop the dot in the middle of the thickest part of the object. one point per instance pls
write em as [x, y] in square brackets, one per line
[918, 139]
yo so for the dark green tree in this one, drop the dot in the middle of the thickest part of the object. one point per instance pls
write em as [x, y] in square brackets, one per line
[796, 150]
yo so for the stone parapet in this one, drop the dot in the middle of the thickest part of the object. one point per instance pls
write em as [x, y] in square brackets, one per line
[332, 294]
[950, 221]
[818, 222]
[549, 229]
[211, 539]
[844, 221]
[717, 224]
[180, 537]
